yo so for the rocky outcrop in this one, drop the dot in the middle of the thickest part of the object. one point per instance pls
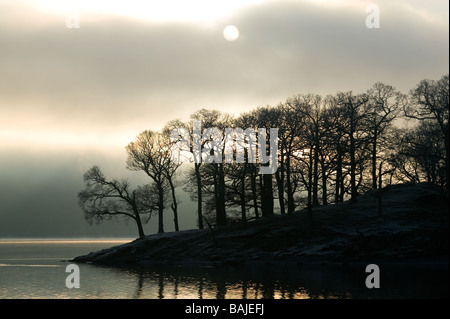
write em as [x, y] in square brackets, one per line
[413, 226]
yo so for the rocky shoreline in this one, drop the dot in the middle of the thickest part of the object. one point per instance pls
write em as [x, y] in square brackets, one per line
[413, 228]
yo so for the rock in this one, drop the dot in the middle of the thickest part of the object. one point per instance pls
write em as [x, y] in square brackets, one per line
[342, 232]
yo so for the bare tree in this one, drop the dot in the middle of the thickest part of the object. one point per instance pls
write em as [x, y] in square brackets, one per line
[430, 102]
[303, 145]
[352, 106]
[214, 123]
[291, 128]
[326, 144]
[250, 168]
[200, 133]
[421, 154]
[329, 147]
[335, 139]
[104, 199]
[151, 154]
[265, 117]
[194, 136]
[382, 108]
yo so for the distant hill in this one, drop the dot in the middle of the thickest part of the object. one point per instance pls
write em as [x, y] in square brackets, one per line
[414, 227]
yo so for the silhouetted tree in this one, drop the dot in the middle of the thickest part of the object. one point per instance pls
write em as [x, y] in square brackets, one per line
[430, 102]
[335, 139]
[421, 155]
[206, 131]
[192, 156]
[250, 168]
[265, 117]
[352, 106]
[213, 146]
[291, 128]
[335, 146]
[104, 199]
[328, 151]
[151, 154]
[381, 109]
[173, 163]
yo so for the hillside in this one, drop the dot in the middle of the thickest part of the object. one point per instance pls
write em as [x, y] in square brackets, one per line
[414, 227]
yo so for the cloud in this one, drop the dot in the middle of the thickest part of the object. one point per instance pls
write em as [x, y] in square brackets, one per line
[38, 194]
[114, 72]
[101, 84]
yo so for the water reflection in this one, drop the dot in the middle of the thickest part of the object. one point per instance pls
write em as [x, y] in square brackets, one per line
[30, 270]
[282, 283]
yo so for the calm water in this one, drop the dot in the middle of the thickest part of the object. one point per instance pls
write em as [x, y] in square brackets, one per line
[36, 269]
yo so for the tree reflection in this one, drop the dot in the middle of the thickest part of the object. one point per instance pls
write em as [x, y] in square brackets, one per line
[140, 285]
[211, 284]
[215, 283]
[160, 286]
[221, 289]
[200, 288]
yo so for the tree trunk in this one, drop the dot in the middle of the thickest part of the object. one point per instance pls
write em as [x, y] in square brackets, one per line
[160, 209]
[380, 175]
[279, 175]
[174, 204]
[266, 195]
[374, 161]
[310, 216]
[242, 195]
[324, 182]
[291, 204]
[243, 199]
[220, 195]
[315, 192]
[199, 195]
[447, 159]
[137, 218]
[338, 176]
[254, 192]
[354, 192]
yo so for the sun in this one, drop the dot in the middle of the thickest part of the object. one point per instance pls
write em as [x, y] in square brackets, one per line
[231, 33]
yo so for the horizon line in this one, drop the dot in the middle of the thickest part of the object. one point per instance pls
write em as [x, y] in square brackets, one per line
[65, 240]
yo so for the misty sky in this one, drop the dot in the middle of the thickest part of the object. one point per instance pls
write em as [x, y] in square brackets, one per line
[74, 97]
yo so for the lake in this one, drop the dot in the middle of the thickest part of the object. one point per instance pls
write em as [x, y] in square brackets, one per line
[37, 269]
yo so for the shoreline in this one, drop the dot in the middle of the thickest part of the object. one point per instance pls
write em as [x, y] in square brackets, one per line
[413, 230]
[431, 262]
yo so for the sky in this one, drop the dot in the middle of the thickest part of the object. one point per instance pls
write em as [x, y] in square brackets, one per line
[80, 79]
